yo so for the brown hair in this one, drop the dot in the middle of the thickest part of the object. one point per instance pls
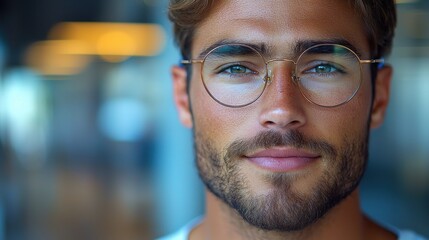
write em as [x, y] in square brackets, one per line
[379, 17]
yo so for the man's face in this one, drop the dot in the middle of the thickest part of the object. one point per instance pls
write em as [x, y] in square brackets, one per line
[281, 162]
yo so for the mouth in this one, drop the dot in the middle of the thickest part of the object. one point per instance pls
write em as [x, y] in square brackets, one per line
[282, 159]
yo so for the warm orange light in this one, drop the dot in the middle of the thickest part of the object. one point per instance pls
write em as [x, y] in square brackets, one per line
[115, 46]
[72, 43]
[116, 43]
[113, 39]
[57, 57]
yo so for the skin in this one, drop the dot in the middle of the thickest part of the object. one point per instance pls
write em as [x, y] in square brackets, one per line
[282, 108]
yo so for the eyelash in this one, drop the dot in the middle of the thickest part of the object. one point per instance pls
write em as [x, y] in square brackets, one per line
[231, 66]
[337, 69]
[312, 69]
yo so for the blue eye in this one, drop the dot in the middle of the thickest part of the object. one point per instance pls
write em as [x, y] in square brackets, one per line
[324, 68]
[237, 69]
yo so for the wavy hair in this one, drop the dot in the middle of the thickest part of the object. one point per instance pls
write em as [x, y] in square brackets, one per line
[379, 17]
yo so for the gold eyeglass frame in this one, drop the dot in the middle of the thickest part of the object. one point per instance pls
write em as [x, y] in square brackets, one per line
[267, 78]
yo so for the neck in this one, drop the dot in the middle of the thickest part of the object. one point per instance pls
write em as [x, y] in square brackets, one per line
[344, 221]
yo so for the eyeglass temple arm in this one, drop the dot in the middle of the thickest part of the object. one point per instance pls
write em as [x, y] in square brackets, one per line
[380, 62]
[191, 61]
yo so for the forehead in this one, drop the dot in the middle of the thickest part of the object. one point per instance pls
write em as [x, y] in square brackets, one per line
[280, 23]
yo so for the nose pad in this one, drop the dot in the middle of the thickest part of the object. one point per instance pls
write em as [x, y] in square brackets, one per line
[268, 77]
[295, 79]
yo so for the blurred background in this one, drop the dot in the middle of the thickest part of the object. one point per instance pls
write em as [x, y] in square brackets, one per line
[90, 144]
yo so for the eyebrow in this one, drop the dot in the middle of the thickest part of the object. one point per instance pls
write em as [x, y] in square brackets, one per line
[298, 47]
[261, 47]
[301, 46]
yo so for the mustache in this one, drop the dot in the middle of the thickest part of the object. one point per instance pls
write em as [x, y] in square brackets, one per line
[270, 139]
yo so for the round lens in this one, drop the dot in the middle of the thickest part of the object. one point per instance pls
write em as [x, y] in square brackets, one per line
[328, 74]
[234, 74]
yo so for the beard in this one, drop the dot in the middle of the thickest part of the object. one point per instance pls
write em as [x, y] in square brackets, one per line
[283, 208]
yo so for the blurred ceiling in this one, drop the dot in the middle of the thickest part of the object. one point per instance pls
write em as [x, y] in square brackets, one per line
[23, 22]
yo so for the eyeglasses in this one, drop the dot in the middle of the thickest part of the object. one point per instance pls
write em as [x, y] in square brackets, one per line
[236, 75]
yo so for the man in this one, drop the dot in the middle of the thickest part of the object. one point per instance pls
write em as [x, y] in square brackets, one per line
[281, 96]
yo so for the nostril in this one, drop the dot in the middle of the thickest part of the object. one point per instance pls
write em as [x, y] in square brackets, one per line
[269, 123]
[294, 123]
[282, 123]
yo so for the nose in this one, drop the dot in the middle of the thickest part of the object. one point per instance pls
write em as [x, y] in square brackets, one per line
[282, 104]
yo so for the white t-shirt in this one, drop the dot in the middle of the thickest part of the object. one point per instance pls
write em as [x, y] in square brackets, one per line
[183, 233]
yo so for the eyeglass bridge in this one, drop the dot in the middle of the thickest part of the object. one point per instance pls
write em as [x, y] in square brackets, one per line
[270, 75]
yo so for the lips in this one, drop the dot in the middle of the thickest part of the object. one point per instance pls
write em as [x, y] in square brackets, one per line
[282, 159]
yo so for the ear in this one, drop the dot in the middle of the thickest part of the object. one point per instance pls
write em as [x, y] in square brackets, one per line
[381, 96]
[181, 97]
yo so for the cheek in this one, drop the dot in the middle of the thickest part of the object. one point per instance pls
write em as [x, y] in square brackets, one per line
[347, 121]
[222, 125]
[211, 119]
[360, 107]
